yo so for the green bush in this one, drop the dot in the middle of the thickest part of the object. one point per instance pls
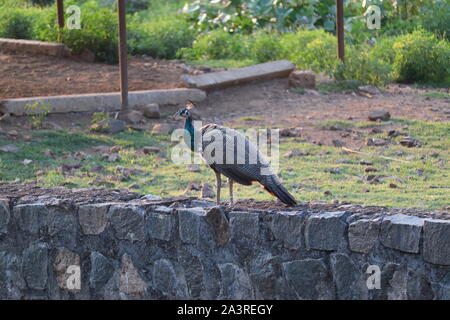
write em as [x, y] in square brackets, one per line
[421, 57]
[160, 38]
[216, 44]
[98, 31]
[41, 3]
[16, 24]
[265, 47]
[361, 65]
[310, 49]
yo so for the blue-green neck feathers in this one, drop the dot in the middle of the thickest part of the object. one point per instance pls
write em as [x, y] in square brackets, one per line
[189, 127]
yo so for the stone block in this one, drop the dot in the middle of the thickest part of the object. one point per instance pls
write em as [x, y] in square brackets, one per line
[401, 232]
[127, 222]
[160, 225]
[302, 79]
[93, 218]
[436, 241]
[325, 231]
[34, 265]
[288, 228]
[363, 234]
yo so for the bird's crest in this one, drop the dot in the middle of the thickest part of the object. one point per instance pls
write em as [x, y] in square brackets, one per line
[190, 105]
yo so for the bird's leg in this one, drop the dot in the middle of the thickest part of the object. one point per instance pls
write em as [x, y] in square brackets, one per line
[219, 184]
[230, 183]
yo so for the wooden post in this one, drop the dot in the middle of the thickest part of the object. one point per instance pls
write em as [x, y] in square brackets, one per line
[123, 64]
[340, 28]
[60, 10]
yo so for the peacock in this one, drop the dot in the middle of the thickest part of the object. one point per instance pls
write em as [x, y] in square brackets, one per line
[241, 161]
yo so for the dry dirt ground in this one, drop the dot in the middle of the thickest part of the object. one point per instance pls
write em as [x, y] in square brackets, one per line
[267, 103]
[24, 75]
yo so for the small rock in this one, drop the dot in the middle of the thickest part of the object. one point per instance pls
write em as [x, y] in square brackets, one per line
[71, 165]
[302, 79]
[365, 163]
[393, 185]
[49, 153]
[207, 191]
[375, 131]
[371, 169]
[379, 115]
[134, 116]
[376, 142]
[113, 157]
[150, 150]
[410, 142]
[193, 186]
[9, 148]
[151, 111]
[290, 132]
[372, 90]
[333, 170]
[162, 128]
[115, 149]
[134, 186]
[296, 152]
[338, 143]
[151, 197]
[98, 168]
[109, 126]
[327, 193]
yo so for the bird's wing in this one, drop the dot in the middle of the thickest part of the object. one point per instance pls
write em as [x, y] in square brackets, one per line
[233, 154]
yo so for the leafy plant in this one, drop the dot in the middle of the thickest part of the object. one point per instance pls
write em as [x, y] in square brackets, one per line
[16, 24]
[39, 110]
[160, 38]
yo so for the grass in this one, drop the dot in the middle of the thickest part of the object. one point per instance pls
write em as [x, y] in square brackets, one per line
[436, 94]
[222, 63]
[305, 176]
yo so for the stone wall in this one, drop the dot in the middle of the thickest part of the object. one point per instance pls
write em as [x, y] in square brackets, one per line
[191, 249]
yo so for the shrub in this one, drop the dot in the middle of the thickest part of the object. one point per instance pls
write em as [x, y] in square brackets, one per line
[310, 49]
[161, 38]
[265, 47]
[41, 3]
[361, 65]
[15, 23]
[216, 44]
[421, 57]
[98, 31]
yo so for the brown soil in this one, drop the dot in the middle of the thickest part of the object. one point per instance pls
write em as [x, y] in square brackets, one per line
[269, 103]
[26, 75]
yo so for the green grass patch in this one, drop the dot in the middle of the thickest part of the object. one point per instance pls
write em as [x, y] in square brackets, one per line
[307, 177]
[436, 94]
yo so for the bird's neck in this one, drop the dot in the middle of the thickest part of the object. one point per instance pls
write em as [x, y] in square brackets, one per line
[189, 127]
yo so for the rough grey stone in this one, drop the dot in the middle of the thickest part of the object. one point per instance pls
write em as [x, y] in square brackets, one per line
[4, 216]
[127, 222]
[194, 273]
[34, 265]
[130, 282]
[63, 260]
[325, 231]
[189, 224]
[219, 223]
[164, 276]
[93, 218]
[308, 278]
[62, 226]
[345, 275]
[287, 227]
[244, 226]
[159, 225]
[101, 270]
[235, 283]
[401, 232]
[436, 244]
[363, 234]
[30, 217]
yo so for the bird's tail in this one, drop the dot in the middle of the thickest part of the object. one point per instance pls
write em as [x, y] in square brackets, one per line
[274, 186]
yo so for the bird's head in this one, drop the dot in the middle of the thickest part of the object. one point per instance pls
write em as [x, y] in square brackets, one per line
[187, 111]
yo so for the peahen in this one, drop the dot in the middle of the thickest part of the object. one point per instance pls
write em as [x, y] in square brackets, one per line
[242, 168]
